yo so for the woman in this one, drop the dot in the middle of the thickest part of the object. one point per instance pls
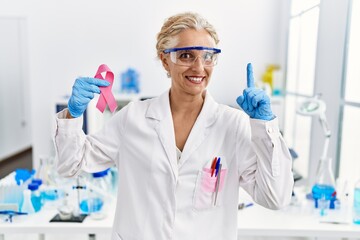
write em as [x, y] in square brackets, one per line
[181, 156]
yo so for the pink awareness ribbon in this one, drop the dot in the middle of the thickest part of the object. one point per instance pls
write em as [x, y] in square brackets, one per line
[106, 95]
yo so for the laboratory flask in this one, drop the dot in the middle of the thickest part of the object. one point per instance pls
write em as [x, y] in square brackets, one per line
[27, 205]
[356, 206]
[324, 187]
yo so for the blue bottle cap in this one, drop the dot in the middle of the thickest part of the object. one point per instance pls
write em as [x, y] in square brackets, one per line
[33, 186]
[100, 174]
[38, 181]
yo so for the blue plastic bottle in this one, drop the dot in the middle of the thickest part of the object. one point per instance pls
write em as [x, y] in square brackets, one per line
[35, 196]
[356, 207]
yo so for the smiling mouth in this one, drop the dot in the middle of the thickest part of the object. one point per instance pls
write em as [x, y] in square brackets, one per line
[195, 80]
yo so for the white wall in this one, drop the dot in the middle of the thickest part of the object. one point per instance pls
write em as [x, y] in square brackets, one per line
[15, 125]
[71, 38]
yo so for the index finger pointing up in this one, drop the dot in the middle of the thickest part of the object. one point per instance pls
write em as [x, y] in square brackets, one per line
[250, 76]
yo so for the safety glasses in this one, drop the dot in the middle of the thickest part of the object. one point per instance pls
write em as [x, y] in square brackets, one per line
[186, 56]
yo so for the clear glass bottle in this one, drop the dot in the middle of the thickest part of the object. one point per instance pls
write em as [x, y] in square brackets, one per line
[99, 188]
[356, 206]
[93, 202]
[324, 187]
[27, 205]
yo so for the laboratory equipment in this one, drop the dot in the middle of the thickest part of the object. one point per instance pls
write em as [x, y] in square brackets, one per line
[11, 190]
[273, 78]
[93, 204]
[130, 81]
[343, 202]
[81, 196]
[356, 207]
[323, 204]
[35, 196]
[46, 172]
[27, 205]
[65, 210]
[22, 175]
[96, 195]
[50, 183]
[113, 177]
[37, 181]
[324, 186]
[99, 189]
[10, 214]
[317, 107]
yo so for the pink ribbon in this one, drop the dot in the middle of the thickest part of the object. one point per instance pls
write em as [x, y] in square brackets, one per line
[106, 95]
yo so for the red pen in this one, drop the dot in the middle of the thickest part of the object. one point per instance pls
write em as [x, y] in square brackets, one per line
[213, 165]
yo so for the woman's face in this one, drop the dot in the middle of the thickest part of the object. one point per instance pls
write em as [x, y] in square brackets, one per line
[191, 80]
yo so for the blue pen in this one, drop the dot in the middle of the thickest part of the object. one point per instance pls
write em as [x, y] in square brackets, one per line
[217, 166]
[217, 184]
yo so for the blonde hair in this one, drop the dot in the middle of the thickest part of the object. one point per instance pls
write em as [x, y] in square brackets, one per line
[166, 38]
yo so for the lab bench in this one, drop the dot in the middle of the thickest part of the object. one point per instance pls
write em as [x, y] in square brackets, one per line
[253, 221]
[290, 222]
[39, 223]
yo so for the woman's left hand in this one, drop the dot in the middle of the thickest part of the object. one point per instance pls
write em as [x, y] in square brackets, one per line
[254, 101]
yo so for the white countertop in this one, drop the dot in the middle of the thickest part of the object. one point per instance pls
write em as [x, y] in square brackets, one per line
[299, 220]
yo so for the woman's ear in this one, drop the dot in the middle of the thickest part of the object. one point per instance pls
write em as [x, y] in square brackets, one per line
[164, 60]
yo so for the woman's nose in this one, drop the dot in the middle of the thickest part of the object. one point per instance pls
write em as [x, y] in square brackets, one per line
[198, 63]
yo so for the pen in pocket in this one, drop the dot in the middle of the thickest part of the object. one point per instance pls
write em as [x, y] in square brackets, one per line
[213, 165]
[217, 182]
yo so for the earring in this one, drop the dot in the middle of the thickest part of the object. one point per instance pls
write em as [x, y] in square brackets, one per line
[168, 74]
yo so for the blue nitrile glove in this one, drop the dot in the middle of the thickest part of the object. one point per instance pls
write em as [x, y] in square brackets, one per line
[254, 101]
[82, 93]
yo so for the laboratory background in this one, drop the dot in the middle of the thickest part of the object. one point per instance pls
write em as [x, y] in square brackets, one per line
[305, 55]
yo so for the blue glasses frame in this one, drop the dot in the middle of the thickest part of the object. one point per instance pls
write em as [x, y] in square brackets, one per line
[216, 50]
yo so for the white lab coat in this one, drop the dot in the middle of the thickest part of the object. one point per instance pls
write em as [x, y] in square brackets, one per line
[162, 198]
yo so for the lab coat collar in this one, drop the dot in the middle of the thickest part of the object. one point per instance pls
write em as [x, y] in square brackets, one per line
[159, 109]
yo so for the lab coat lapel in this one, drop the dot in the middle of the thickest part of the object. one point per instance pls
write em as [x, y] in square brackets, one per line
[159, 110]
[201, 129]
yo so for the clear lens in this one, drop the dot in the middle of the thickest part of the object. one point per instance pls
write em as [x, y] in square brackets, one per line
[188, 57]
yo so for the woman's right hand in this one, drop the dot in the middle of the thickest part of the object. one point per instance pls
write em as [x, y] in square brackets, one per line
[82, 93]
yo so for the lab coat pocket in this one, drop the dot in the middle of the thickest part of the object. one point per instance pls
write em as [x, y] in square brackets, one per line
[205, 196]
